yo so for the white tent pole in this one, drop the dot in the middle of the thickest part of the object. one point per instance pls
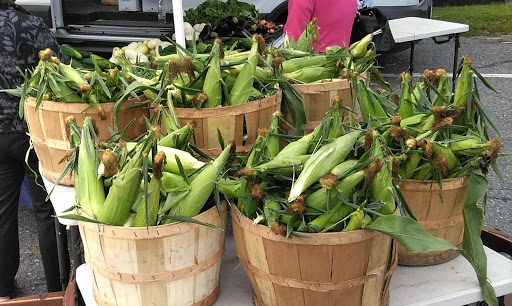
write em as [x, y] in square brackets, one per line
[177, 13]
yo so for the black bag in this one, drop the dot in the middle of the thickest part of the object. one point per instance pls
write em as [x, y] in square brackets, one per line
[369, 20]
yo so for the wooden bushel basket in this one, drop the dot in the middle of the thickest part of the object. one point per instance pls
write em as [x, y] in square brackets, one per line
[443, 220]
[350, 268]
[50, 134]
[109, 2]
[174, 264]
[230, 120]
[317, 101]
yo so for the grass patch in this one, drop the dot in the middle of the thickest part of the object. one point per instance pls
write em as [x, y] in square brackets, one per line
[483, 20]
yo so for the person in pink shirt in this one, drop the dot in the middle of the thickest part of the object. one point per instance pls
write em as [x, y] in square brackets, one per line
[334, 18]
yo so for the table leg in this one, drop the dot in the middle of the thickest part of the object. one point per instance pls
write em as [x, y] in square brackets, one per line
[455, 60]
[76, 246]
[62, 253]
[411, 58]
[76, 243]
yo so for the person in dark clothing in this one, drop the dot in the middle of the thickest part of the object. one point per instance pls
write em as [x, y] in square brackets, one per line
[22, 36]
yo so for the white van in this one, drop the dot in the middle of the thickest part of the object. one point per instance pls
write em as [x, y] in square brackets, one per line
[91, 24]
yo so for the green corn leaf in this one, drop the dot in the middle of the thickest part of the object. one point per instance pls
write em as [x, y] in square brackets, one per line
[181, 169]
[221, 139]
[199, 152]
[130, 89]
[472, 246]
[146, 196]
[105, 88]
[23, 93]
[217, 201]
[498, 172]
[486, 115]
[293, 103]
[484, 81]
[291, 222]
[409, 234]
[79, 218]
[403, 203]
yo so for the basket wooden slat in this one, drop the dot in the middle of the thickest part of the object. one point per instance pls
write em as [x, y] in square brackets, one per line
[317, 101]
[109, 2]
[174, 264]
[230, 120]
[441, 219]
[324, 269]
[50, 134]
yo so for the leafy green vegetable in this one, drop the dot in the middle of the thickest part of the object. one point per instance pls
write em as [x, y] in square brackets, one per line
[211, 11]
[472, 247]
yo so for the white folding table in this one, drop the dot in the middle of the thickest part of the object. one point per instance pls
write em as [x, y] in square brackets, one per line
[412, 29]
[448, 284]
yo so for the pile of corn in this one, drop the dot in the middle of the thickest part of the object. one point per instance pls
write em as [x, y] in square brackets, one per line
[225, 77]
[432, 133]
[324, 181]
[56, 81]
[147, 183]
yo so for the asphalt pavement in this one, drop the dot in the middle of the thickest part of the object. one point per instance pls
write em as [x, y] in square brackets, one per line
[492, 58]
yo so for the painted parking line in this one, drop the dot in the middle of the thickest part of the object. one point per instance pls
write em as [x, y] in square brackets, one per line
[485, 75]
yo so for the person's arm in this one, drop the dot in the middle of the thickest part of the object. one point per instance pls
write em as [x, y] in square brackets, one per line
[300, 12]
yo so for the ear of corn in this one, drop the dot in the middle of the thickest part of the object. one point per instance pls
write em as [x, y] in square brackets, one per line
[322, 162]
[202, 186]
[462, 90]
[90, 190]
[381, 188]
[442, 150]
[358, 49]
[444, 92]
[371, 110]
[338, 212]
[318, 199]
[270, 209]
[407, 171]
[305, 41]
[406, 108]
[212, 83]
[302, 145]
[469, 147]
[243, 201]
[355, 222]
[295, 64]
[148, 212]
[94, 100]
[61, 91]
[272, 147]
[177, 139]
[312, 74]
[125, 186]
[335, 121]
[189, 162]
[242, 88]
[74, 77]
[282, 165]
[169, 119]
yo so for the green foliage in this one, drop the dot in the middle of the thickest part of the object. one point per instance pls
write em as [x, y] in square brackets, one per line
[485, 20]
[211, 11]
